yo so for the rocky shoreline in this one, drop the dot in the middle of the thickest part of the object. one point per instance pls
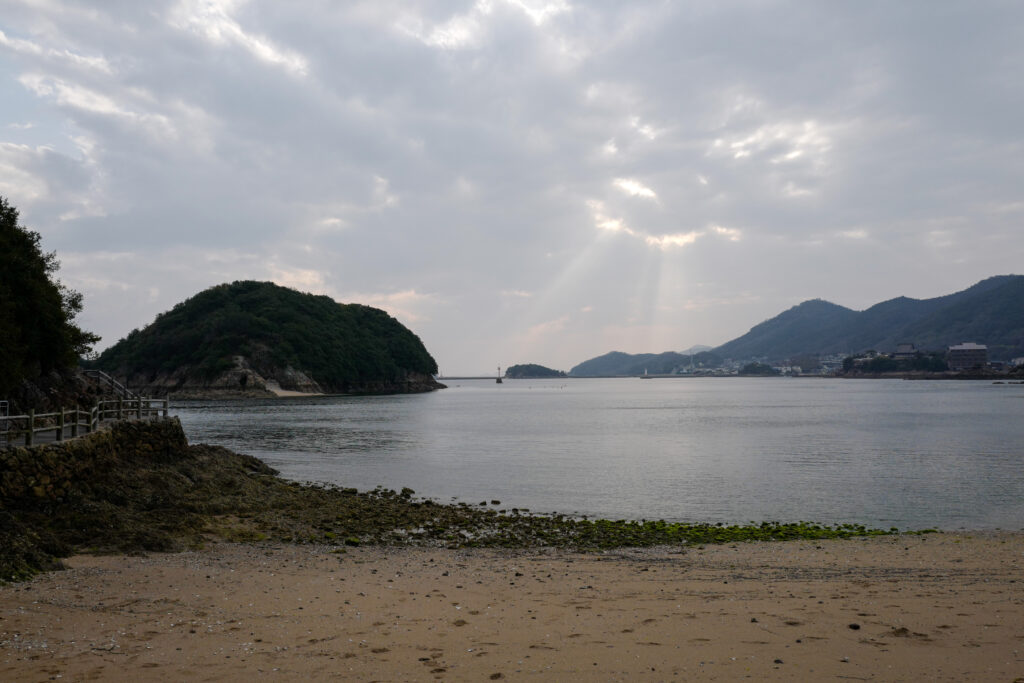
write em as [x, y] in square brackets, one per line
[254, 575]
[140, 486]
[248, 380]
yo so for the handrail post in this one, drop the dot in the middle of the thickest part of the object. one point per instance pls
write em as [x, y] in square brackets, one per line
[139, 413]
[120, 408]
[30, 435]
[165, 407]
[60, 426]
[74, 424]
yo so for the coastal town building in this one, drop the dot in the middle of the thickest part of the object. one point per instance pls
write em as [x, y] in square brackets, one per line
[966, 356]
[904, 352]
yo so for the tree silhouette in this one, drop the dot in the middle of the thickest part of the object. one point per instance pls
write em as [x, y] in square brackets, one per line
[37, 329]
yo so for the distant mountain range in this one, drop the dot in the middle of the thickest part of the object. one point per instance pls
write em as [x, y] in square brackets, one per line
[991, 313]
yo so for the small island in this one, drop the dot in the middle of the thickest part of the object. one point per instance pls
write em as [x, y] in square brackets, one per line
[532, 371]
[251, 339]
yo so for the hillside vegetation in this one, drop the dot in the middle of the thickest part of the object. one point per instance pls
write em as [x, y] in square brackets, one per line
[276, 332]
[38, 334]
[532, 371]
[989, 313]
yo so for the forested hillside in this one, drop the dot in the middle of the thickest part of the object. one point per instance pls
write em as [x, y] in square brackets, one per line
[531, 371]
[990, 312]
[277, 333]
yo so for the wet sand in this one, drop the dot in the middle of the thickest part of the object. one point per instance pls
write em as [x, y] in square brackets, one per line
[932, 607]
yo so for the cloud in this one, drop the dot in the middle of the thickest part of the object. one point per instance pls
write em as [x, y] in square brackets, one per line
[858, 234]
[680, 239]
[536, 336]
[39, 175]
[731, 234]
[635, 188]
[17, 178]
[467, 30]
[780, 142]
[443, 160]
[161, 123]
[409, 306]
[662, 241]
[30, 48]
[644, 129]
[302, 279]
[20, 45]
[213, 20]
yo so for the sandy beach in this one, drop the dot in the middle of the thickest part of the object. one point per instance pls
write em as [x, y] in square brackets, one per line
[275, 388]
[930, 607]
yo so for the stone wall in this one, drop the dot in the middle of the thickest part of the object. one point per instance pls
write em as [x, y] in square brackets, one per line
[42, 475]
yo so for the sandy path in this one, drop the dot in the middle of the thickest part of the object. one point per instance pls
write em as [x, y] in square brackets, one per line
[275, 388]
[937, 607]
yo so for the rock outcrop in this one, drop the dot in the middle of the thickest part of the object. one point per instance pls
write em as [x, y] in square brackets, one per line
[241, 381]
[244, 381]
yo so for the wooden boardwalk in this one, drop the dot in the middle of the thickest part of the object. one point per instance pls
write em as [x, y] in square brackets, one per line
[42, 436]
[35, 429]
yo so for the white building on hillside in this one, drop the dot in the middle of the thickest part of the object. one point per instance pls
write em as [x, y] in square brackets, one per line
[966, 356]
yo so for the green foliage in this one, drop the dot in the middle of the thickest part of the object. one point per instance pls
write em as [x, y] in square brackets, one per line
[37, 329]
[758, 369]
[341, 346]
[532, 371]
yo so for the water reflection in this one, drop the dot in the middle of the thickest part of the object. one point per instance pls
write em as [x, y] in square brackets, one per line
[907, 454]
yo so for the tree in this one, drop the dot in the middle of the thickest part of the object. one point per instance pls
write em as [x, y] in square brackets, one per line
[758, 369]
[37, 329]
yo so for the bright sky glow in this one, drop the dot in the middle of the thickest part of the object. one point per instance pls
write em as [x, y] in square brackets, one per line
[634, 188]
[518, 180]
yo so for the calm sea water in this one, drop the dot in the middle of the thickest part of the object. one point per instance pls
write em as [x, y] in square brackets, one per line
[880, 452]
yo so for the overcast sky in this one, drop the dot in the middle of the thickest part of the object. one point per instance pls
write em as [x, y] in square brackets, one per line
[518, 180]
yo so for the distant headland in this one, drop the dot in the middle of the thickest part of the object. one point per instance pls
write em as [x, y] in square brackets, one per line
[251, 339]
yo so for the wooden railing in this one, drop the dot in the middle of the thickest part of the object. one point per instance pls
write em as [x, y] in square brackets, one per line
[120, 389]
[36, 428]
